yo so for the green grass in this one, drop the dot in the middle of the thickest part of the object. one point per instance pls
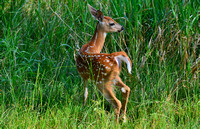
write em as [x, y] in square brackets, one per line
[40, 86]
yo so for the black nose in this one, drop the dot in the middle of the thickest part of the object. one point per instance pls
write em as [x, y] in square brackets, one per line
[122, 28]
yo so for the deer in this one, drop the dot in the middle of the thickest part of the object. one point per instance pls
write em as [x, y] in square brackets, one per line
[104, 69]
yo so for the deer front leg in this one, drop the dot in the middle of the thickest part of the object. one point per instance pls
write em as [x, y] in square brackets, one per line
[85, 95]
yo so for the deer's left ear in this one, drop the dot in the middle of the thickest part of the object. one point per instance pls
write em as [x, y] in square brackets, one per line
[99, 16]
[96, 13]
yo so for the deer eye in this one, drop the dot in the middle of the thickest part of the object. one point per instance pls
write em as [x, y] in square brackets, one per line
[112, 24]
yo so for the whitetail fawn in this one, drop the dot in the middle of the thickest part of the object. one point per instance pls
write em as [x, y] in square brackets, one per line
[103, 68]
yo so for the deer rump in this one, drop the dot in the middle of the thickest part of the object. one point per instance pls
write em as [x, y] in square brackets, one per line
[98, 66]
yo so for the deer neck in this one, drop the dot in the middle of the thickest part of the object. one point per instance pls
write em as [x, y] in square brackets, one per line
[96, 43]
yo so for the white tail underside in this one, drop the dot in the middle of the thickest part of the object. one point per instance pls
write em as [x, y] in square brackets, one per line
[121, 58]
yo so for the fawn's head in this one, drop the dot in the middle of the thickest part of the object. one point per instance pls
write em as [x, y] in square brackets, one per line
[106, 23]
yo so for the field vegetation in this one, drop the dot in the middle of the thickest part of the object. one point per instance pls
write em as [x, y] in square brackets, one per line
[41, 88]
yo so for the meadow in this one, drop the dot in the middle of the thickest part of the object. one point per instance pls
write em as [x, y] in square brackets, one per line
[40, 86]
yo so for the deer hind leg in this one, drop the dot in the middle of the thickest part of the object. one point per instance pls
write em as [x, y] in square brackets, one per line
[106, 90]
[125, 90]
[85, 95]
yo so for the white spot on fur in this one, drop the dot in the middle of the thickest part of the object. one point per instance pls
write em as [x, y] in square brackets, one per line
[114, 81]
[123, 90]
[87, 50]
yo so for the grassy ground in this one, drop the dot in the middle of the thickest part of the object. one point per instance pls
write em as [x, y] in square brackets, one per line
[40, 86]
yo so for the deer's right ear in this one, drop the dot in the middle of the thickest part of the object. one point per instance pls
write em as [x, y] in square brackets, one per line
[96, 13]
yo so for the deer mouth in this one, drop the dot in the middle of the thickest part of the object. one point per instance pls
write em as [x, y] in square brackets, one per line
[121, 29]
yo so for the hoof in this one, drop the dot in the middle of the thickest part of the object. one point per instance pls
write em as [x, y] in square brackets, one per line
[123, 119]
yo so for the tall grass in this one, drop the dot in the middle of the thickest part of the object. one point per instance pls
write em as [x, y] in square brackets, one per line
[40, 86]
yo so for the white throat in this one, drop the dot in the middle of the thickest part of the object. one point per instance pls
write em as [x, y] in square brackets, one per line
[105, 35]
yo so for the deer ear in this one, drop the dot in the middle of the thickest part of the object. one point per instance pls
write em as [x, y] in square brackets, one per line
[99, 16]
[96, 13]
